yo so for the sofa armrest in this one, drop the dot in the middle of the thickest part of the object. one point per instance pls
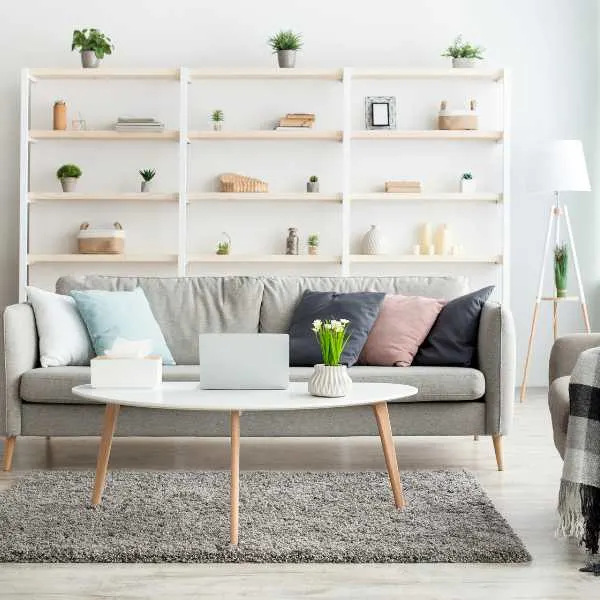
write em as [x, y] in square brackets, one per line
[496, 352]
[20, 355]
[566, 351]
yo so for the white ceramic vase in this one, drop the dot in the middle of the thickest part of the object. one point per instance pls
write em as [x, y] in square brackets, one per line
[468, 186]
[464, 63]
[330, 381]
[373, 241]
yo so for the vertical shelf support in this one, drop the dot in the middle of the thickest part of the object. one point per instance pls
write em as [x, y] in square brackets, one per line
[24, 156]
[506, 196]
[184, 83]
[347, 168]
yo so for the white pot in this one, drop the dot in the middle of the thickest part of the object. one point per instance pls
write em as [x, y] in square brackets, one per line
[468, 186]
[373, 241]
[464, 63]
[146, 186]
[330, 382]
[68, 184]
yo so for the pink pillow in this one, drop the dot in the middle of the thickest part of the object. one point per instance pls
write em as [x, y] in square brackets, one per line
[400, 328]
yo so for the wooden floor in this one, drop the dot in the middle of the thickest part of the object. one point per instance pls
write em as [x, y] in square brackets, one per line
[525, 493]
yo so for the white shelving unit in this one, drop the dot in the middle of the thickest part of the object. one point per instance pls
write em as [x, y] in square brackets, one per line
[183, 197]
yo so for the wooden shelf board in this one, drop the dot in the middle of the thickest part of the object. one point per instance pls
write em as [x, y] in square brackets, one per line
[426, 197]
[102, 73]
[267, 134]
[268, 73]
[59, 196]
[265, 196]
[428, 73]
[263, 258]
[412, 258]
[101, 258]
[562, 299]
[105, 134]
[426, 134]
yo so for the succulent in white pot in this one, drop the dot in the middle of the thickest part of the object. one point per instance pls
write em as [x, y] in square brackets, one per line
[147, 177]
[285, 44]
[464, 54]
[312, 185]
[93, 46]
[68, 175]
[468, 185]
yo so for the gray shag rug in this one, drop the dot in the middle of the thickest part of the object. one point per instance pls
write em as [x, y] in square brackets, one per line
[285, 517]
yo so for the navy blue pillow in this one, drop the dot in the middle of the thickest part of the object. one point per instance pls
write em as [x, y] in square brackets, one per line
[360, 308]
[452, 341]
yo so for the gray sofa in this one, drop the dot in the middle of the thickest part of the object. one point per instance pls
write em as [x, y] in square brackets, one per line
[451, 401]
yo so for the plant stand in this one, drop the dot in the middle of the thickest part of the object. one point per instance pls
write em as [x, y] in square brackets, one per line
[554, 222]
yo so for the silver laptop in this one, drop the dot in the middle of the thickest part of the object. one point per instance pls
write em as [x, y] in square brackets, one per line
[244, 361]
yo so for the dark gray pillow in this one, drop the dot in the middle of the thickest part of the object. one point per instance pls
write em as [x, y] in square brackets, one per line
[360, 308]
[452, 341]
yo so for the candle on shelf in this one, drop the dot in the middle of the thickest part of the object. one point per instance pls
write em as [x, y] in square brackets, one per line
[431, 250]
[442, 240]
[416, 249]
[425, 238]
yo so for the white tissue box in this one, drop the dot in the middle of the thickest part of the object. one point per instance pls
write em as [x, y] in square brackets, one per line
[126, 372]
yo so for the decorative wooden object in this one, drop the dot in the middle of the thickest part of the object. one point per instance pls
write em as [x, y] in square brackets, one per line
[101, 241]
[458, 120]
[403, 187]
[232, 182]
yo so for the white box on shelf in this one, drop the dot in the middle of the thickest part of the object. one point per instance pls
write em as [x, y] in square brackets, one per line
[126, 372]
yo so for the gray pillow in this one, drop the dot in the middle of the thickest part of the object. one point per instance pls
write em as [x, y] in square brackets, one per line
[452, 341]
[360, 308]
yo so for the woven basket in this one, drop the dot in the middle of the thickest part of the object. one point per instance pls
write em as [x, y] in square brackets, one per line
[458, 120]
[101, 241]
[232, 182]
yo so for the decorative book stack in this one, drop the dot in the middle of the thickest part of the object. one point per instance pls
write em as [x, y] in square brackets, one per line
[403, 187]
[139, 124]
[296, 120]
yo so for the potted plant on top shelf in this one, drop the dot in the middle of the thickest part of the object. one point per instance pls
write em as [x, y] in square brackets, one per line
[147, 177]
[93, 46]
[68, 175]
[285, 44]
[464, 54]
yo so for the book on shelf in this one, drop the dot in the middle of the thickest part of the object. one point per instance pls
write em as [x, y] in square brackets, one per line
[137, 120]
[290, 127]
[309, 116]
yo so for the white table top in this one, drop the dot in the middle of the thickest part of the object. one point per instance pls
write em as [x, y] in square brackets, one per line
[187, 395]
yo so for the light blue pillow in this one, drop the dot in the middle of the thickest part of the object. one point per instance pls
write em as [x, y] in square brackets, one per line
[109, 315]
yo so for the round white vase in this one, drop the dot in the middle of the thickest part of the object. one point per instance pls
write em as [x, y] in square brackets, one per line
[468, 186]
[330, 381]
[373, 241]
[464, 63]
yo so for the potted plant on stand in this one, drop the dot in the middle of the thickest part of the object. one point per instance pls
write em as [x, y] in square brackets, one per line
[313, 244]
[285, 44]
[463, 54]
[330, 379]
[147, 177]
[312, 184]
[468, 185]
[68, 176]
[217, 119]
[561, 261]
[93, 46]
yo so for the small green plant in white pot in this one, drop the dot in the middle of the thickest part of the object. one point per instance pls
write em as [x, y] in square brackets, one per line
[224, 247]
[312, 185]
[464, 54]
[93, 46]
[468, 185]
[217, 117]
[313, 244]
[147, 177]
[68, 175]
[285, 44]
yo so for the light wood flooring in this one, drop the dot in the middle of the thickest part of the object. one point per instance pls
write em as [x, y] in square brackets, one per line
[525, 493]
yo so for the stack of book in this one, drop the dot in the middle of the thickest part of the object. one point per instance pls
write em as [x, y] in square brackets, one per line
[296, 120]
[139, 124]
[403, 187]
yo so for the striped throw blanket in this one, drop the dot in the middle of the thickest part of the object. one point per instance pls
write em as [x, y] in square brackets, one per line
[579, 496]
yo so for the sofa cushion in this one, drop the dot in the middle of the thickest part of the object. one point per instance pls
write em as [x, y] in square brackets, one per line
[435, 384]
[282, 294]
[185, 307]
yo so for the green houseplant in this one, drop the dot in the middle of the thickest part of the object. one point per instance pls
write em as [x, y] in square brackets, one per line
[330, 379]
[313, 243]
[561, 263]
[285, 44]
[468, 185]
[68, 175]
[463, 54]
[93, 46]
[312, 184]
[147, 177]
[217, 117]
[224, 247]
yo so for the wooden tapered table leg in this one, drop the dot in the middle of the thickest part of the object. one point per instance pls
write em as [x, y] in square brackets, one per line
[9, 450]
[555, 319]
[235, 476]
[586, 317]
[382, 417]
[497, 440]
[529, 347]
[110, 422]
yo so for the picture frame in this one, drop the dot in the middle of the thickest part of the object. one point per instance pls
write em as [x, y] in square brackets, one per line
[380, 112]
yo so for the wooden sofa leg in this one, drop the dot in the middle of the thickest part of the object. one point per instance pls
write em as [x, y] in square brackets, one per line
[497, 439]
[476, 437]
[9, 450]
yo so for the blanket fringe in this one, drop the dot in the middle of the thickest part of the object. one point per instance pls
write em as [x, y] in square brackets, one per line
[579, 512]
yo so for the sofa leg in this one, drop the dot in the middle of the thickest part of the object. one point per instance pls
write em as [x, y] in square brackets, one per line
[497, 439]
[476, 437]
[9, 450]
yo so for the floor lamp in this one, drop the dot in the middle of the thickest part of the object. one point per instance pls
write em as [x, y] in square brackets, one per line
[559, 168]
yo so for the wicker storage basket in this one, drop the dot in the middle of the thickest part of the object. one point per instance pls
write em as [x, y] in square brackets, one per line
[458, 120]
[232, 182]
[101, 241]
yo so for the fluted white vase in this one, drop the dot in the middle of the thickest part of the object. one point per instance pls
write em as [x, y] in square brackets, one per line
[330, 381]
[373, 241]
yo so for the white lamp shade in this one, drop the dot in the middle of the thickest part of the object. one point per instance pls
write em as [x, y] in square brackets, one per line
[560, 167]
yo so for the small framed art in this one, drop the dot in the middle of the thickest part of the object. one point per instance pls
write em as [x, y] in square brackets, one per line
[380, 112]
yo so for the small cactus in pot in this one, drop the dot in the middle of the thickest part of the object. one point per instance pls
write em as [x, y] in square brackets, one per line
[147, 177]
[468, 184]
[313, 244]
[312, 184]
[68, 175]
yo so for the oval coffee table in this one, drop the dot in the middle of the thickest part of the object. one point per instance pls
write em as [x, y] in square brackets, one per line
[189, 396]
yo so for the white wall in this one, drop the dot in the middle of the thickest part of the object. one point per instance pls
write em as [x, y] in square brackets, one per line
[550, 45]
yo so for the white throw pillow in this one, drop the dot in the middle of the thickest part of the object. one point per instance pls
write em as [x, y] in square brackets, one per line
[63, 336]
